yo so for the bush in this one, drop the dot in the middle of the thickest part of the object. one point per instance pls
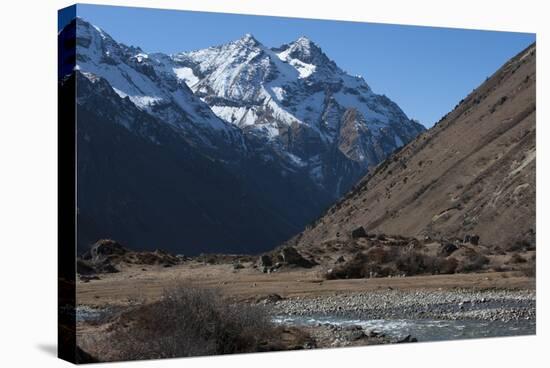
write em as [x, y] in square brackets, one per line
[530, 271]
[414, 263]
[378, 255]
[516, 258]
[448, 266]
[352, 269]
[474, 262]
[188, 322]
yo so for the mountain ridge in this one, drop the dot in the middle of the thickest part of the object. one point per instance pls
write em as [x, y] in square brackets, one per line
[293, 169]
[472, 173]
[243, 87]
[294, 97]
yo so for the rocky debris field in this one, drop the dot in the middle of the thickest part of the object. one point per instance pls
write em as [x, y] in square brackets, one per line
[360, 254]
[491, 305]
[106, 256]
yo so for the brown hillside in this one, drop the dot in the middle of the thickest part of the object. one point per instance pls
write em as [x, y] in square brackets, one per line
[472, 173]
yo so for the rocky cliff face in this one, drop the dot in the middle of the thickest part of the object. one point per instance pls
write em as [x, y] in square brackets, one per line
[472, 173]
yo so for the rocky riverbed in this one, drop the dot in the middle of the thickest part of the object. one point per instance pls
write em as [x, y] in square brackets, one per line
[386, 316]
[392, 316]
[458, 304]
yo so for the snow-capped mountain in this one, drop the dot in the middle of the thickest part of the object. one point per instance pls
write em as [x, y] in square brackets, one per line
[298, 100]
[234, 147]
[142, 184]
[315, 117]
[151, 84]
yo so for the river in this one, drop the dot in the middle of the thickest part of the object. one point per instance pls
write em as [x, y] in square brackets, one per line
[422, 329]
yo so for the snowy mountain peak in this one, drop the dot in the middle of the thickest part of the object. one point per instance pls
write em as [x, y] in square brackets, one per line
[306, 51]
[305, 44]
[249, 40]
[151, 82]
[304, 40]
[85, 28]
[293, 99]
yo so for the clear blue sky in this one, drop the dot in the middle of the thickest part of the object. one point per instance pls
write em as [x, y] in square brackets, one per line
[425, 70]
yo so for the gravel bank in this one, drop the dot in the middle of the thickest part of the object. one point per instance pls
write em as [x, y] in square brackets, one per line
[458, 304]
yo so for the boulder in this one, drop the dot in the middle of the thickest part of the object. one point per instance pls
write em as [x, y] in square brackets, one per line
[237, 266]
[106, 247]
[265, 261]
[104, 266]
[359, 232]
[407, 338]
[472, 239]
[290, 256]
[269, 298]
[340, 259]
[84, 268]
[356, 335]
[352, 328]
[88, 278]
[88, 268]
[372, 333]
[447, 249]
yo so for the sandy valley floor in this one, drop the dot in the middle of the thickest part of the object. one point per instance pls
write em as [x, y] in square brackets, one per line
[133, 283]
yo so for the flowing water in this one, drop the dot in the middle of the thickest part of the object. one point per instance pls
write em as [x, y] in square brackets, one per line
[423, 330]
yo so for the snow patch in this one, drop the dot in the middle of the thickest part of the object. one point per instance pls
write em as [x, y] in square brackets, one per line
[141, 56]
[304, 69]
[119, 92]
[398, 141]
[296, 160]
[144, 102]
[186, 74]
[279, 93]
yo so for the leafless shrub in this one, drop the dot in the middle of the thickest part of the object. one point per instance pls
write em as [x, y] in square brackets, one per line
[499, 268]
[448, 266]
[516, 258]
[530, 271]
[521, 245]
[474, 262]
[413, 263]
[187, 322]
[378, 255]
[352, 269]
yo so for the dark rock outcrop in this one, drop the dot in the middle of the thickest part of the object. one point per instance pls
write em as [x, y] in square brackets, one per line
[447, 249]
[265, 261]
[290, 256]
[359, 232]
[106, 247]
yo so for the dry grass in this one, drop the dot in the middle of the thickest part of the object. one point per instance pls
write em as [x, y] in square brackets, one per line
[185, 322]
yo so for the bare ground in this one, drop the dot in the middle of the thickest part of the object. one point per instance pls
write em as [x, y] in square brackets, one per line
[147, 283]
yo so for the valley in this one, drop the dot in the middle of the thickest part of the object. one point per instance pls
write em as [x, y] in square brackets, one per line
[263, 197]
[314, 312]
